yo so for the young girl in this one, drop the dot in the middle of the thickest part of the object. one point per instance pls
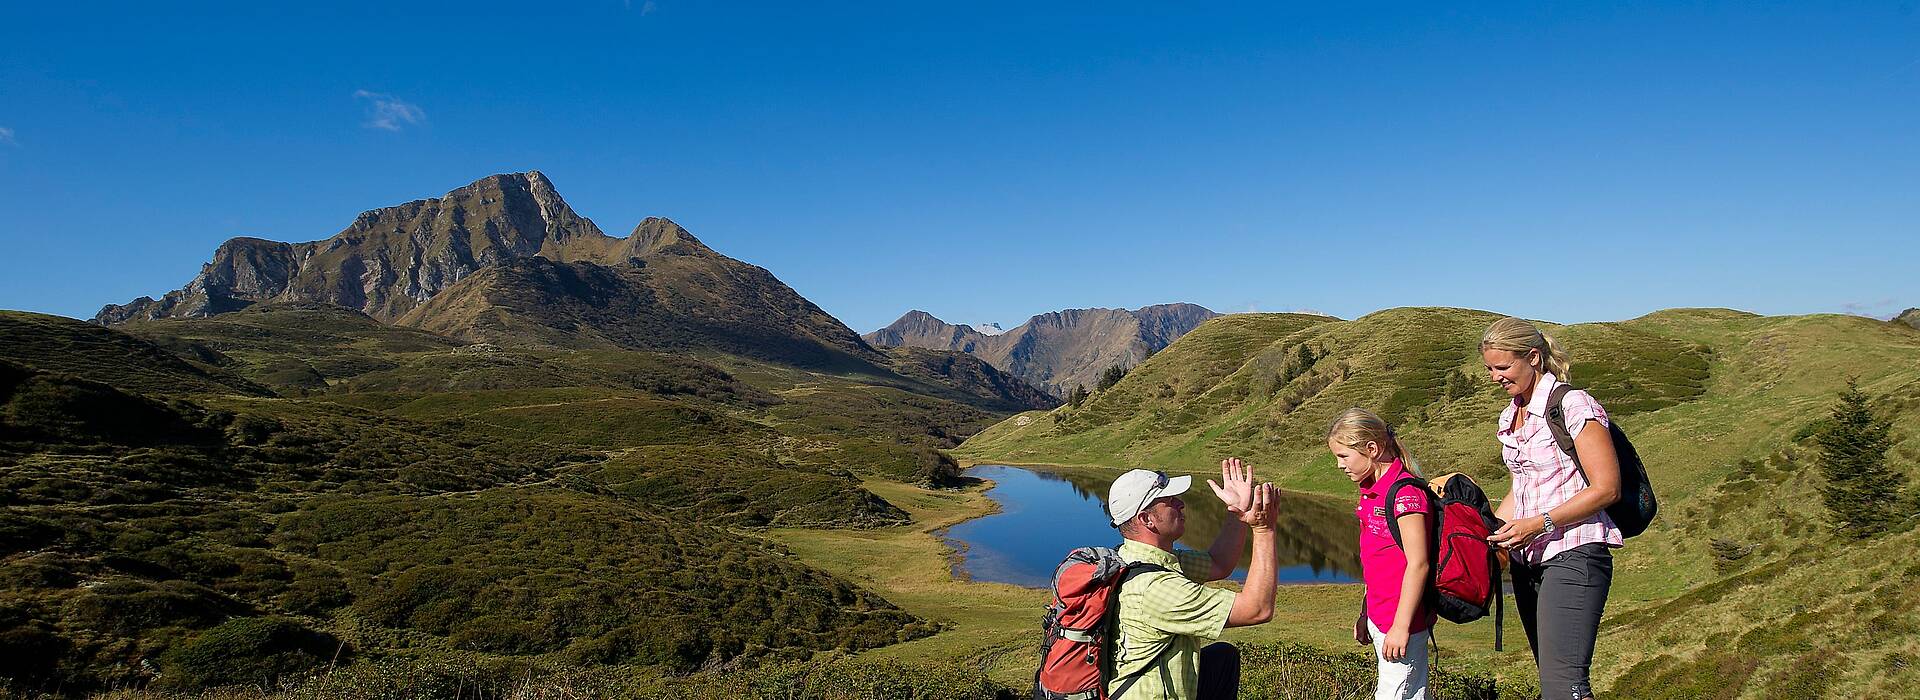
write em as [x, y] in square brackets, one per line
[1557, 535]
[1396, 618]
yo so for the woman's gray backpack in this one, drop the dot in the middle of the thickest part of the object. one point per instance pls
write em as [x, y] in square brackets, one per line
[1637, 506]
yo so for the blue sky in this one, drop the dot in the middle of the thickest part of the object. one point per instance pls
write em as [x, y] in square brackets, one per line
[989, 161]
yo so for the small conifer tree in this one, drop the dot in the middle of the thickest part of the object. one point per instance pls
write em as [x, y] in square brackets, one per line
[1077, 396]
[1110, 377]
[1862, 494]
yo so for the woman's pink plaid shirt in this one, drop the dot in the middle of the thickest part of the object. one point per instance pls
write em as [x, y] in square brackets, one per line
[1544, 477]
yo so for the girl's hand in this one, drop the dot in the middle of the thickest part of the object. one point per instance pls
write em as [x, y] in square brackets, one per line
[1236, 486]
[1394, 647]
[1360, 633]
[1518, 533]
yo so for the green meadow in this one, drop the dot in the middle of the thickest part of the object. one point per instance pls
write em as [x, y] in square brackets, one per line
[303, 503]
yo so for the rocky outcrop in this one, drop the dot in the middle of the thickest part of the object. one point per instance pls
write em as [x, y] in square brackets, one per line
[391, 260]
[1054, 351]
[1910, 317]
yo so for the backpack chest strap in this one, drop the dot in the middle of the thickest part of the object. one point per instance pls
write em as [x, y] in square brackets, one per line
[1082, 636]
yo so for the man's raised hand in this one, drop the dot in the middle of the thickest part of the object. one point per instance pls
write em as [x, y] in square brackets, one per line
[1237, 490]
[1264, 510]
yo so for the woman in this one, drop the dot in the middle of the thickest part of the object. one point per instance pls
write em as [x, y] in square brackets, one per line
[1557, 531]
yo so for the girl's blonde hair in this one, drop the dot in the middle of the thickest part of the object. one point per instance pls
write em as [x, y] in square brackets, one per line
[1355, 427]
[1518, 336]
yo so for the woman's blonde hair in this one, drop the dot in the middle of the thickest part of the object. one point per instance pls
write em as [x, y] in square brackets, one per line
[1355, 427]
[1518, 336]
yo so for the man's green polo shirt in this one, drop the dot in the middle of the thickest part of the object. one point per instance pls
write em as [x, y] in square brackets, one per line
[1161, 608]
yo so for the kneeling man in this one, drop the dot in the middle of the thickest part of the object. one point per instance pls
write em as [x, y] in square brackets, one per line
[1166, 617]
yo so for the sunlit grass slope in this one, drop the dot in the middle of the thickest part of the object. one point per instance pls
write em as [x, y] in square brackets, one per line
[1718, 402]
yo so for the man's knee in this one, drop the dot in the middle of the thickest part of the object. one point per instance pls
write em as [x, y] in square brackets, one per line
[1219, 671]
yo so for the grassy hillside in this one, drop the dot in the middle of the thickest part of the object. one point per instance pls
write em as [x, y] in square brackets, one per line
[1738, 590]
[60, 344]
[430, 499]
[429, 517]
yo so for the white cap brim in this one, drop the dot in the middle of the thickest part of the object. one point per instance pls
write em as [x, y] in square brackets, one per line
[1176, 485]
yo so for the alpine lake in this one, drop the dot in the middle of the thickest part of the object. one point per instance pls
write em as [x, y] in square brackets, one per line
[1045, 514]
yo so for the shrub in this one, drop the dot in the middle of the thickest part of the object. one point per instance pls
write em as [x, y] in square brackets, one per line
[1299, 672]
[250, 650]
[936, 468]
[29, 649]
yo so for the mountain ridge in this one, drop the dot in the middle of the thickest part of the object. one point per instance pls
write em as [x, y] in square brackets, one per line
[391, 259]
[1057, 350]
[504, 260]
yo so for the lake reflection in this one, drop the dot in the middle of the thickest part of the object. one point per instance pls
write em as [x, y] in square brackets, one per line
[1043, 515]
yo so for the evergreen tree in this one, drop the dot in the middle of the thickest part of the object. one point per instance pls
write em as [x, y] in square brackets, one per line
[1077, 396]
[1862, 495]
[1305, 358]
[1458, 385]
[1110, 377]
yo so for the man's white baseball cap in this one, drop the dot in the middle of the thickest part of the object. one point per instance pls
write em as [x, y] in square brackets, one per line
[1135, 490]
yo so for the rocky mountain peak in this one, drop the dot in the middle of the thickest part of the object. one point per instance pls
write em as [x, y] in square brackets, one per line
[392, 259]
[1055, 350]
[659, 234]
[920, 329]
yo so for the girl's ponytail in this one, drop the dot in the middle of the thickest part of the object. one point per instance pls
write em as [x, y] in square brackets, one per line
[1406, 458]
[1355, 427]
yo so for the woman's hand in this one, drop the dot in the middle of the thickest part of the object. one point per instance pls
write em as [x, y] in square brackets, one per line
[1517, 533]
[1394, 647]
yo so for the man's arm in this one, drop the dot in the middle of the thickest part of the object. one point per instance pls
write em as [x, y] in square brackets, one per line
[1226, 549]
[1236, 491]
[1254, 604]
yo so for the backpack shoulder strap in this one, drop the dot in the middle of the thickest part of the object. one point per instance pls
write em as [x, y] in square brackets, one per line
[1133, 570]
[1557, 422]
[1557, 417]
[1393, 523]
[1136, 569]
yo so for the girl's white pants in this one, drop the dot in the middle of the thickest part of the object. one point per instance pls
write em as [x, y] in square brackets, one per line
[1405, 679]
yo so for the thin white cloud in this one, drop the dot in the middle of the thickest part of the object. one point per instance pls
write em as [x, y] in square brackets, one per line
[6, 137]
[1883, 309]
[647, 8]
[389, 113]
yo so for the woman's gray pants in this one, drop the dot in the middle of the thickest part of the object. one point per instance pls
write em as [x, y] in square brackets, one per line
[1560, 601]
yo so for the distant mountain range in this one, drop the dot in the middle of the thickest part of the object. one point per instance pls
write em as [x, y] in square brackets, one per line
[1054, 351]
[505, 261]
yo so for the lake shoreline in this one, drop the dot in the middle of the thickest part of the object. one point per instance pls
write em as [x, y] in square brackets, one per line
[960, 550]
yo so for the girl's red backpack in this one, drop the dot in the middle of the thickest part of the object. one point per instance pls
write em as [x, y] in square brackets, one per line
[1465, 582]
[1074, 657]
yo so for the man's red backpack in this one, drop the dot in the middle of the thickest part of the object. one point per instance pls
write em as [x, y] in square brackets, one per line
[1465, 581]
[1074, 661]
